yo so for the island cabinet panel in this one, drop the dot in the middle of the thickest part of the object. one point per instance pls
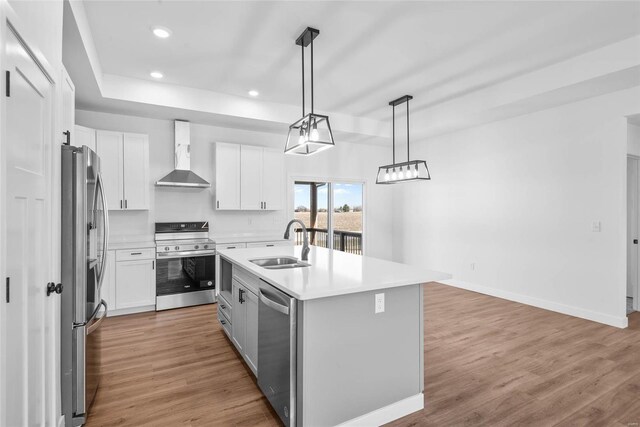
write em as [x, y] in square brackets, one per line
[244, 323]
[355, 361]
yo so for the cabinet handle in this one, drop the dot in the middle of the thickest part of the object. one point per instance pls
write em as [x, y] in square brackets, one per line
[120, 204]
[125, 203]
[265, 205]
[241, 296]
[136, 253]
[218, 204]
[222, 306]
[153, 264]
[231, 247]
[270, 246]
[224, 322]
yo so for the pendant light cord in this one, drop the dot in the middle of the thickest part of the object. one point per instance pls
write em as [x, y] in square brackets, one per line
[311, 73]
[393, 132]
[302, 45]
[408, 131]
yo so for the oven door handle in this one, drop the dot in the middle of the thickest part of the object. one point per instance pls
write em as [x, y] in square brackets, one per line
[186, 254]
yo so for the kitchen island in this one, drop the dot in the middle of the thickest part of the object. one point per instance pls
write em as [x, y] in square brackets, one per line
[339, 341]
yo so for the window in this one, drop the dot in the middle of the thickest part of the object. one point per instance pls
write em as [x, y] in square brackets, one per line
[332, 213]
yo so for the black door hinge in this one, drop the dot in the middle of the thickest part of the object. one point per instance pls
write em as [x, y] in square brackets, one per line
[8, 83]
[52, 287]
[8, 295]
[68, 135]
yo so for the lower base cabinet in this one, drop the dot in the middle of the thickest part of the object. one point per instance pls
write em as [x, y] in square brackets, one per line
[244, 321]
[129, 284]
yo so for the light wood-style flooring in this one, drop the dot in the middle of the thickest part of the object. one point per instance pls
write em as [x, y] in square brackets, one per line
[487, 362]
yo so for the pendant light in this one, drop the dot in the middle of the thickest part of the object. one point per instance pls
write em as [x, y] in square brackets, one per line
[312, 133]
[411, 170]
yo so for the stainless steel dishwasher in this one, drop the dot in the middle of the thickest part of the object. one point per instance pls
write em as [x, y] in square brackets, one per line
[277, 351]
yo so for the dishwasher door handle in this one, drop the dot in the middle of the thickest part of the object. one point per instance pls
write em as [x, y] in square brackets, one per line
[272, 304]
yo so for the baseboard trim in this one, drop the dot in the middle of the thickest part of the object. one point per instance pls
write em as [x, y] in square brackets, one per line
[388, 413]
[131, 310]
[618, 322]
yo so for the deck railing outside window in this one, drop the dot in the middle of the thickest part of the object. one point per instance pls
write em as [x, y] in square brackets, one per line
[346, 241]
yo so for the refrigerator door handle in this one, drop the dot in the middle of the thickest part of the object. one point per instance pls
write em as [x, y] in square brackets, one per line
[96, 324]
[105, 240]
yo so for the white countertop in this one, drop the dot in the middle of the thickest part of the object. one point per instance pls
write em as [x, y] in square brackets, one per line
[331, 272]
[246, 238]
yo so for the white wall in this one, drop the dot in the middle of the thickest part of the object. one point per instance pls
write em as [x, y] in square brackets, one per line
[517, 198]
[350, 161]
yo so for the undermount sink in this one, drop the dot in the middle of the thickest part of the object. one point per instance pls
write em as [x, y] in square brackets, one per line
[277, 263]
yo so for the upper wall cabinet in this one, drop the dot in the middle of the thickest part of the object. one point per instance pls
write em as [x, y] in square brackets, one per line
[84, 136]
[124, 161]
[248, 177]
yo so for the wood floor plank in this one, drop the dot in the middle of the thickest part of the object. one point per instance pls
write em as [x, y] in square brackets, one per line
[488, 362]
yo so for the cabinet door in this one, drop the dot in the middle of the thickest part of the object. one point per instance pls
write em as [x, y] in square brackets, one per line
[135, 283]
[68, 106]
[108, 291]
[109, 148]
[251, 178]
[84, 136]
[227, 176]
[238, 316]
[251, 331]
[273, 186]
[136, 171]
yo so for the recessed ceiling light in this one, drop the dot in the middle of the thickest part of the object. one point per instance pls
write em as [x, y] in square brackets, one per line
[156, 74]
[254, 93]
[161, 32]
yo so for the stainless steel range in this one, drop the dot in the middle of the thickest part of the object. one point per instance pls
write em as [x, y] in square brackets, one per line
[185, 256]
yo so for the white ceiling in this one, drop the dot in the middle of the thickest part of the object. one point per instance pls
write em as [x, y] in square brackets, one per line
[367, 53]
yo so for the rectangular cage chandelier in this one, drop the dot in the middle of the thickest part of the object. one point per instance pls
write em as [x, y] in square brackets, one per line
[411, 170]
[311, 133]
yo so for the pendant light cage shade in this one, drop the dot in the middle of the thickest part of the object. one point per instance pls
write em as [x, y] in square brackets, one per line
[309, 135]
[413, 170]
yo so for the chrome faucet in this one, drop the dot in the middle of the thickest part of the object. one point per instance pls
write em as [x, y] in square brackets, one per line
[305, 238]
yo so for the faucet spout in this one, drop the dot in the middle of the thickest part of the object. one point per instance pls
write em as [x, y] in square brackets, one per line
[305, 238]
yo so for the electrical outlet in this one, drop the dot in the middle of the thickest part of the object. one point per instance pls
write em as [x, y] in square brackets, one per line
[379, 303]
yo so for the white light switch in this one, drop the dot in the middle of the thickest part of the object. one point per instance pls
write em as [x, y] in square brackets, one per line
[379, 303]
[595, 226]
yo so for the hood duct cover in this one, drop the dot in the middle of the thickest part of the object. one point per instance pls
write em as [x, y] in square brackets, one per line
[182, 176]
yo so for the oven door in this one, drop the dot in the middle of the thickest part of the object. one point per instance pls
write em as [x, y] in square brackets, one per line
[186, 280]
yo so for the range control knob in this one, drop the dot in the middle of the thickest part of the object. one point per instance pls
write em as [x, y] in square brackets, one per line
[206, 246]
[177, 248]
[166, 248]
[196, 247]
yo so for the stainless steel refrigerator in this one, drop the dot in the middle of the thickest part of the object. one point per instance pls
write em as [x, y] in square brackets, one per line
[85, 234]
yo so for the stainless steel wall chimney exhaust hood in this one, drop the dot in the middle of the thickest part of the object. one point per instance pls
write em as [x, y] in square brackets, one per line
[182, 176]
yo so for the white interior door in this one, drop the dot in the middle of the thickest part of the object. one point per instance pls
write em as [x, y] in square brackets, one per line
[29, 376]
[632, 230]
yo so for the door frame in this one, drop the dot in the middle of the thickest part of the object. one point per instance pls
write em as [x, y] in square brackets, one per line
[636, 293]
[289, 211]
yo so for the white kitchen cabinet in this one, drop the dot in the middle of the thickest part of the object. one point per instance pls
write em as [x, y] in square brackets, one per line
[135, 283]
[108, 291]
[238, 316]
[109, 148]
[84, 136]
[249, 177]
[227, 176]
[251, 332]
[244, 324]
[272, 179]
[136, 171]
[236, 245]
[124, 161]
[270, 244]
